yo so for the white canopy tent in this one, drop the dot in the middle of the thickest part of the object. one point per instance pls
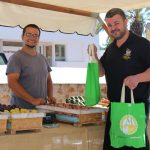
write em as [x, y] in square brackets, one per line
[67, 16]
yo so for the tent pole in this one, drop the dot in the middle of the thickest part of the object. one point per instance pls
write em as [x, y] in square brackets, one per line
[104, 26]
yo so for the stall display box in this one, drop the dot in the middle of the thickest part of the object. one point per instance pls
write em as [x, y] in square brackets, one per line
[76, 114]
[25, 121]
[3, 123]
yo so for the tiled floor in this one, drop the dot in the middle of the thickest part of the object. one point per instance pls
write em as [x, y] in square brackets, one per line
[65, 137]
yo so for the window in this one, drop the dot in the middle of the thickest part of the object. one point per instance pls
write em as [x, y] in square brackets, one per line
[48, 53]
[1, 61]
[10, 47]
[60, 52]
[12, 43]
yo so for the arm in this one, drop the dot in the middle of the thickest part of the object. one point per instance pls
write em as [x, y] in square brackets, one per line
[17, 88]
[49, 86]
[133, 80]
[144, 76]
[102, 71]
[51, 99]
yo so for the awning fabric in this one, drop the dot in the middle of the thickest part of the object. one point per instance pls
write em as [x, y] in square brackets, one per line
[12, 14]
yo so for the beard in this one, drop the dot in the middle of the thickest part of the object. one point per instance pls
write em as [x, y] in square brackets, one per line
[117, 34]
[30, 46]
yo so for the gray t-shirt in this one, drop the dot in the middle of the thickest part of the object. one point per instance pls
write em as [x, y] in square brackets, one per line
[33, 76]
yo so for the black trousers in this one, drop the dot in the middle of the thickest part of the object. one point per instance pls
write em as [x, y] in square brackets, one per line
[107, 145]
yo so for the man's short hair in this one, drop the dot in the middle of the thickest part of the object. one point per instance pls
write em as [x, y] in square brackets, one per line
[115, 11]
[32, 26]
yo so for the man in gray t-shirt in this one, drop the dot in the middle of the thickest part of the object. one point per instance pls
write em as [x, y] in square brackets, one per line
[29, 73]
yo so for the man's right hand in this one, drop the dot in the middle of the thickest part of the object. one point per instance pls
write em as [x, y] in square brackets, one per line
[102, 71]
[38, 101]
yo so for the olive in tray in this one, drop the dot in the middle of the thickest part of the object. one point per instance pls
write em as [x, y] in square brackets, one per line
[104, 102]
[4, 107]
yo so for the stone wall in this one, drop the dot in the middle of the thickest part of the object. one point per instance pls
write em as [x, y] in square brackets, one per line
[61, 92]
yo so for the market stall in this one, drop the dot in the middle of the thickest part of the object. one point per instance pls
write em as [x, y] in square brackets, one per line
[62, 15]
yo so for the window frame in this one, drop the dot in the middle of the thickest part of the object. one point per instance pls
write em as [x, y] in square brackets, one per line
[2, 55]
[60, 58]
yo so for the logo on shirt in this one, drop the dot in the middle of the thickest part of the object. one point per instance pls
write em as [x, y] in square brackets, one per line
[127, 55]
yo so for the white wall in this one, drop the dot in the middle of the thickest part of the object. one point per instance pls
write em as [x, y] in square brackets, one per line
[59, 75]
[76, 45]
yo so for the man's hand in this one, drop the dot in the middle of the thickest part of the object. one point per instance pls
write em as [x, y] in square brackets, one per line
[51, 100]
[94, 50]
[131, 81]
[38, 101]
[95, 57]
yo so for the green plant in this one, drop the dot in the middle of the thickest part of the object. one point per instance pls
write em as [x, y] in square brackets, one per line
[138, 19]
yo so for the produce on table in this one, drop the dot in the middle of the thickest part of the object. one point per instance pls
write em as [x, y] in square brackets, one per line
[79, 100]
[70, 106]
[15, 109]
[4, 107]
[104, 102]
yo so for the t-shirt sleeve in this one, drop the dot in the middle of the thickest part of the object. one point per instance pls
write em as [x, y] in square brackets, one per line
[14, 65]
[148, 53]
[144, 53]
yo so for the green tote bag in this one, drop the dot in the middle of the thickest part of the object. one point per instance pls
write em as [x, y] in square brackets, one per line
[128, 123]
[92, 87]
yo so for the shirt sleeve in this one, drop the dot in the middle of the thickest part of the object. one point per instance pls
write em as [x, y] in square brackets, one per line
[144, 53]
[14, 65]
